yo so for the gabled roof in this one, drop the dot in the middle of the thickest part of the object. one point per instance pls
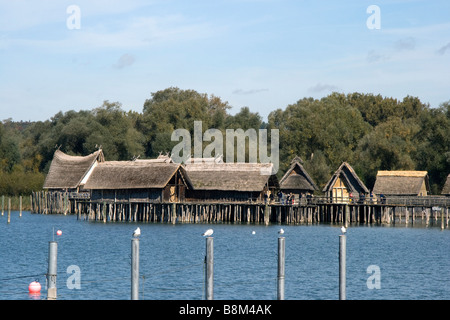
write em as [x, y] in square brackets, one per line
[401, 182]
[230, 176]
[351, 180]
[446, 188]
[297, 178]
[67, 172]
[133, 175]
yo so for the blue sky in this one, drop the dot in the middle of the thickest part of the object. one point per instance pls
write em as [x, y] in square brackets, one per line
[264, 54]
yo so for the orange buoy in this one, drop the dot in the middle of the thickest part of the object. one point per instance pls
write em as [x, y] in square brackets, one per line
[34, 287]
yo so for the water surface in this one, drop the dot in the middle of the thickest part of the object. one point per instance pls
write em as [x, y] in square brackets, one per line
[413, 261]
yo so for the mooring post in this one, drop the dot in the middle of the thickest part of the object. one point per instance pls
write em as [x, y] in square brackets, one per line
[20, 206]
[281, 268]
[9, 210]
[52, 269]
[3, 204]
[209, 270]
[135, 269]
[342, 266]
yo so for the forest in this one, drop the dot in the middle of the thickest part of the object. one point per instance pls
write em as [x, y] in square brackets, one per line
[368, 131]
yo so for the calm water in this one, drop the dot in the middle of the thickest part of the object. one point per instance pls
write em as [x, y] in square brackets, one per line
[414, 262]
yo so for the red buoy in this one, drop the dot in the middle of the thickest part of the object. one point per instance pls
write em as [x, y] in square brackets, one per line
[59, 232]
[34, 287]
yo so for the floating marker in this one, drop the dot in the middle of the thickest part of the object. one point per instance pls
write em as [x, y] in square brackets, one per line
[34, 287]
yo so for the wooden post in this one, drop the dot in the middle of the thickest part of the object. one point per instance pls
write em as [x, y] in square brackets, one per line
[174, 213]
[209, 270]
[281, 268]
[342, 266]
[20, 206]
[3, 204]
[266, 215]
[346, 215]
[9, 210]
[446, 213]
[135, 269]
[52, 269]
[104, 212]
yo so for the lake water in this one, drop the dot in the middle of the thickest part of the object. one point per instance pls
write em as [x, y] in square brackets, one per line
[413, 262]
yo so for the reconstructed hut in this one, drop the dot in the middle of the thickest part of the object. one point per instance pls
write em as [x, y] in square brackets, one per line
[345, 186]
[402, 183]
[70, 173]
[145, 181]
[297, 181]
[230, 181]
[446, 188]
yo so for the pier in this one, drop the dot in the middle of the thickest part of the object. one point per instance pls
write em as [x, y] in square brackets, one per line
[406, 210]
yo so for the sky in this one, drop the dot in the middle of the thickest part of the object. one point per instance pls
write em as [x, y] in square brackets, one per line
[58, 55]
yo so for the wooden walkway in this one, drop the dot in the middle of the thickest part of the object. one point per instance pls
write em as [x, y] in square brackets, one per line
[412, 210]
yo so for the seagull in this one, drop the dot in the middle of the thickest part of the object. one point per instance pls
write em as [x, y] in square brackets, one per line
[253, 232]
[281, 231]
[343, 229]
[137, 232]
[208, 233]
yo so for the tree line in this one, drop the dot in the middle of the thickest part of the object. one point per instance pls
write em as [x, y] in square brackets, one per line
[368, 131]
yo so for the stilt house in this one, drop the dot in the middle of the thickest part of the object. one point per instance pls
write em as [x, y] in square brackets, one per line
[297, 181]
[69, 173]
[230, 182]
[402, 183]
[345, 186]
[144, 180]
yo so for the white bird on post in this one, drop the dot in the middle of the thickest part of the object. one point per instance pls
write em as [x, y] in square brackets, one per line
[343, 230]
[208, 233]
[137, 232]
[281, 231]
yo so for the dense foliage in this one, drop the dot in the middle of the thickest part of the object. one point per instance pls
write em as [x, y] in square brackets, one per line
[368, 131]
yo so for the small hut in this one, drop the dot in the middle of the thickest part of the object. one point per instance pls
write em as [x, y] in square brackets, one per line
[145, 181]
[446, 188]
[230, 182]
[345, 186]
[70, 173]
[402, 183]
[297, 181]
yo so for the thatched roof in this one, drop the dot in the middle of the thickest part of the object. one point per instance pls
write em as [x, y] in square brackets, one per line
[400, 182]
[230, 176]
[133, 175]
[351, 180]
[67, 172]
[217, 159]
[446, 188]
[296, 178]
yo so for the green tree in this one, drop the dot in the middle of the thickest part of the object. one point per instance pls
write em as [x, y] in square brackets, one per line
[174, 108]
[389, 146]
